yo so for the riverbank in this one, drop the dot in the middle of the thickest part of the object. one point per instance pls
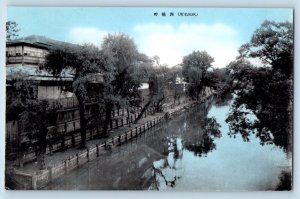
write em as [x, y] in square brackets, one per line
[60, 163]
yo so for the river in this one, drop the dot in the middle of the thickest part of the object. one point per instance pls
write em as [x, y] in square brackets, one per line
[191, 152]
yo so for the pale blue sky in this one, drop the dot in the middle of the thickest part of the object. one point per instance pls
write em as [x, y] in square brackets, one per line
[219, 31]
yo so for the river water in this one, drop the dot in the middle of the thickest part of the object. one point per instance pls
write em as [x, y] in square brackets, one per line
[191, 152]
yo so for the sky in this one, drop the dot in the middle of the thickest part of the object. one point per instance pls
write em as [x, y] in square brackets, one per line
[219, 31]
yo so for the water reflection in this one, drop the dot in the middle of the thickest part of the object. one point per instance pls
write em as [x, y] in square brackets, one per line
[168, 170]
[189, 152]
[204, 142]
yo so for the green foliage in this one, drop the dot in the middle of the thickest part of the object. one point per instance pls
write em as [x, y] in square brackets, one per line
[266, 95]
[85, 63]
[272, 43]
[121, 70]
[263, 95]
[11, 30]
[34, 116]
[195, 71]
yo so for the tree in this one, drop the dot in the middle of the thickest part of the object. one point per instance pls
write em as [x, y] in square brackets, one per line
[195, 68]
[263, 102]
[11, 30]
[272, 43]
[262, 107]
[34, 117]
[121, 70]
[85, 63]
[221, 82]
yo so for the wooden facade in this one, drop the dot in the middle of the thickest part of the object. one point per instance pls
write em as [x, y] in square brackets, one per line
[25, 53]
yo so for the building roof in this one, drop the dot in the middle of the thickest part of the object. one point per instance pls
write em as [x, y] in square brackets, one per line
[38, 41]
[32, 72]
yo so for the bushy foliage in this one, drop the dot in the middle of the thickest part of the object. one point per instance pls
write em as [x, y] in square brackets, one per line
[263, 95]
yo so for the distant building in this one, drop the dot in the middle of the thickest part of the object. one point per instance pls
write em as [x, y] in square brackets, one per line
[25, 58]
[24, 52]
[30, 50]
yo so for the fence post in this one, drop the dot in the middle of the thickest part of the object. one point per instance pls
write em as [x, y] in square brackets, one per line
[50, 173]
[120, 139]
[88, 154]
[77, 160]
[97, 150]
[122, 122]
[136, 131]
[117, 123]
[105, 145]
[112, 141]
[34, 181]
[131, 133]
[66, 165]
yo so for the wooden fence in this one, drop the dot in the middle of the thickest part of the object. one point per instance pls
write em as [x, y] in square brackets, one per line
[41, 178]
[70, 131]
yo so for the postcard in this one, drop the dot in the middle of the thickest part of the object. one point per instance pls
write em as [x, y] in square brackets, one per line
[149, 98]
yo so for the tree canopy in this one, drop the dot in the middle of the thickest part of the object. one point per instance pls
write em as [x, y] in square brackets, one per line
[195, 68]
[263, 95]
[272, 43]
[11, 30]
[84, 63]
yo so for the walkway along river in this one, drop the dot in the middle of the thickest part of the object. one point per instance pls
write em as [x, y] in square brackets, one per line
[189, 152]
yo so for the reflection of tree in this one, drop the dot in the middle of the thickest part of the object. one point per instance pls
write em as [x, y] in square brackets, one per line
[158, 172]
[200, 131]
[193, 131]
[204, 143]
[168, 170]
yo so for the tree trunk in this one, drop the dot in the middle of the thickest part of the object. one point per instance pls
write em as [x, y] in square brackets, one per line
[108, 110]
[82, 124]
[127, 112]
[158, 106]
[41, 148]
[143, 110]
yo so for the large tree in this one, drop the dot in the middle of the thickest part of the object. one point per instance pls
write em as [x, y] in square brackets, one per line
[84, 62]
[195, 70]
[263, 101]
[122, 74]
[272, 43]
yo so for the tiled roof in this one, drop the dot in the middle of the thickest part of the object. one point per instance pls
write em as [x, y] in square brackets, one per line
[40, 41]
